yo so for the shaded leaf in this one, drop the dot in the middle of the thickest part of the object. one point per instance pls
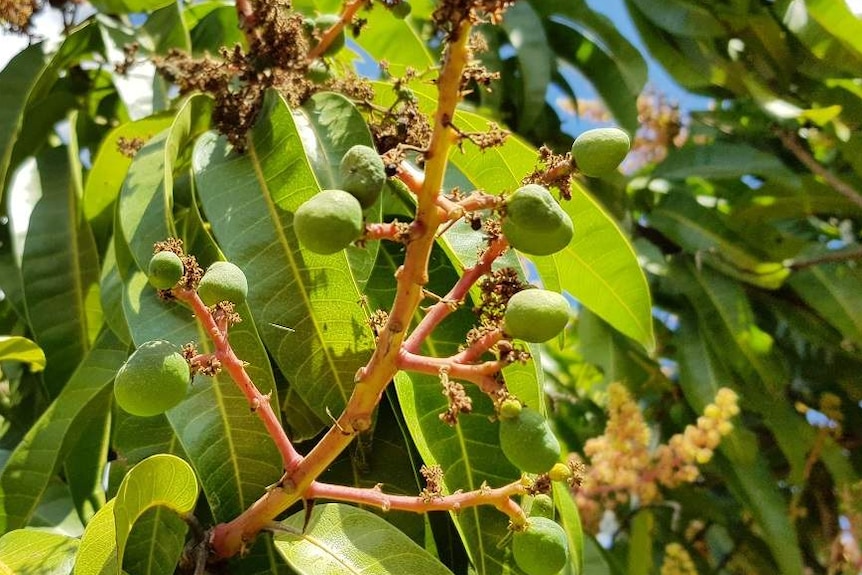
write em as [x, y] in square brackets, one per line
[340, 539]
[526, 34]
[832, 290]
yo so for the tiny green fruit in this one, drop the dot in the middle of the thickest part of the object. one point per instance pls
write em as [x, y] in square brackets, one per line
[154, 379]
[318, 72]
[528, 442]
[363, 174]
[323, 23]
[223, 281]
[542, 506]
[599, 152]
[402, 9]
[560, 472]
[510, 408]
[165, 270]
[535, 223]
[541, 548]
[328, 222]
[535, 315]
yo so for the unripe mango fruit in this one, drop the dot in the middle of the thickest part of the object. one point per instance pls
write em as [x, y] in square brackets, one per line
[541, 548]
[535, 223]
[323, 23]
[165, 270]
[535, 315]
[528, 442]
[223, 281]
[402, 9]
[363, 174]
[328, 222]
[154, 379]
[542, 506]
[599, 152]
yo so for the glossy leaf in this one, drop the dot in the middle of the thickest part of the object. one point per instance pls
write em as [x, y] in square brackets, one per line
[570, 519]
[21, 349]
[527, 36]
[18, 78]
[36, 459]
[97, 553]
[161, 480]
[249, 200]
[721, 160]
[341, 540]
[33, 552]
[59, 270]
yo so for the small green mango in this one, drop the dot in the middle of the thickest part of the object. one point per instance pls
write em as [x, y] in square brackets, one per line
[535, 223]
[154, 379]
[542, 548]
[536, 315]
[363, 174]
[599, 152]
[223, 281]
[165, 270]
[542, 506]
[328, 222]
[528, 442]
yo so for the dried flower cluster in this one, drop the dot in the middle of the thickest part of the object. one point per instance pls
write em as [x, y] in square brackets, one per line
[624, 467]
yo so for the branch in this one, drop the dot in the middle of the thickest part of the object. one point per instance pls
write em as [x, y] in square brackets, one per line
[828, 257]
[499, 498]
[792, 143]
[235, 367]
[350, 10]
[230, 538]
[448, 304]
[482, 374]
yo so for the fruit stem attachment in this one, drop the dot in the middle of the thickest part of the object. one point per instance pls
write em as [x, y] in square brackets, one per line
[235, 367]
[350, 9]
[482, 374]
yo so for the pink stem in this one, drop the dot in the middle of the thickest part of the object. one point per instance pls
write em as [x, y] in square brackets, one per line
[235, 367]
[499, 498]
[480, 346]
[456, 295]
[382, 231]
[482, 374]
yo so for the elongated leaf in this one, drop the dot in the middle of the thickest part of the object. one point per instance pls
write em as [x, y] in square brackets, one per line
[155, 542]
[341, 540]
[700, 379]
[16, 348]
[640, 545]
[128, 6]
[35, 460]
[570, 519]
[18, 79]
[526, 34]
[721, 160]
[161, 480]
[249, 200]
[681, 17]
[329, 125]
[32, 552]
[84, 464]
[59, 271]
[833, 291]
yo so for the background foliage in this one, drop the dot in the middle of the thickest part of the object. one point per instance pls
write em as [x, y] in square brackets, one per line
[744, 219]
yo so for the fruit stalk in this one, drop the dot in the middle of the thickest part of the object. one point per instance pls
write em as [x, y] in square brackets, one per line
[259, 402]
[350, 9]
[230, 538]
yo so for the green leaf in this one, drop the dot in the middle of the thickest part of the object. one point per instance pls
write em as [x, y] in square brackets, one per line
[18, 78]
[832, 290]
[600, 269]
[36, 459]
[250, 200]
[213, 25]
[640, 543]
[84, 464]
[681, 17]
[570, 519]
[329, 125]
[527, 36]
[161, 480]
[21, 349]
[97, 553]
[155, 543]
[721, 160]
[128, 6]
[32, 552]
[167, 29]
[59, 270]
[341, 540]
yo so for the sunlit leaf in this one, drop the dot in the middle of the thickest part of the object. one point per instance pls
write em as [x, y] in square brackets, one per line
[32, 552]
[17, 348]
